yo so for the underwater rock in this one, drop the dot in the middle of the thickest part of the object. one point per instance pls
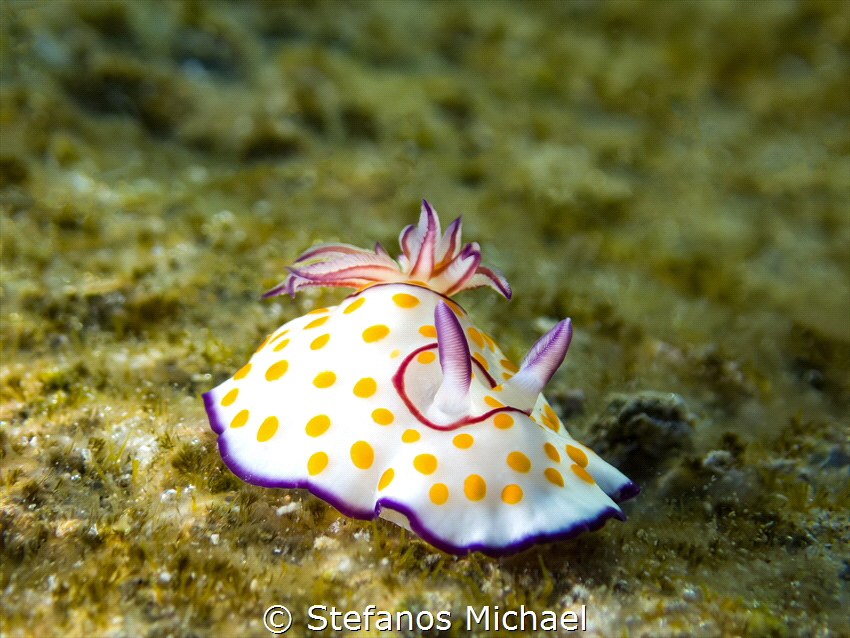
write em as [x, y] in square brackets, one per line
[642, 432]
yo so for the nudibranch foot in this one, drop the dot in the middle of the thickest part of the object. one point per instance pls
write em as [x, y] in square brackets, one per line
[394, 404]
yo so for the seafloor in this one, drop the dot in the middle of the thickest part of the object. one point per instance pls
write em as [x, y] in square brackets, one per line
[674, 176]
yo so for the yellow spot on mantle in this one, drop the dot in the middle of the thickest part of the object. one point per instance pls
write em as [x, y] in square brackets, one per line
[463, 441]
[474, 487]
[438, 493]
[362, 455]
[410, 436]
[426, 357]
[382, 416]
[316, 322]
[277, 370]
[375, 333]
[577, 455]
[554, 476]
[403, 300]
[267, 429]
[317, 463]
[519, 462]
[365, 388]
[512, 494]
[324, 379]
[243, 372]
[240, 419]
[354, 305]
[582, 473]
[503, 421]
[230, 397]
[386, 478]
[318, 425]
[320, 342]
[425, 463]
[428, 331]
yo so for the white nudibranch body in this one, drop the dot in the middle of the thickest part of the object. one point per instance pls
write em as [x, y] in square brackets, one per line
[394, 404]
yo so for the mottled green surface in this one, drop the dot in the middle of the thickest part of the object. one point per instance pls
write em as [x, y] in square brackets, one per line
[673, 176]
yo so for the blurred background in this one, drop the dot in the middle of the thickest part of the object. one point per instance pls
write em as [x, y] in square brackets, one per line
[674, 176]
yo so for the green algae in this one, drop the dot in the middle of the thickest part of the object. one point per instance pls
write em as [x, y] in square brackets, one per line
[673, 176]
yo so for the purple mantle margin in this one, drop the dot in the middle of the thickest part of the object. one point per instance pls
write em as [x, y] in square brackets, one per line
[628, 491]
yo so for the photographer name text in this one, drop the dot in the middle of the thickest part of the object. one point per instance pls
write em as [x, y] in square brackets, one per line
[486, 618]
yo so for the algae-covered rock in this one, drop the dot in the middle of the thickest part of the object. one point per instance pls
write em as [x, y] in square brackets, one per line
[673, 176]
[642, 433]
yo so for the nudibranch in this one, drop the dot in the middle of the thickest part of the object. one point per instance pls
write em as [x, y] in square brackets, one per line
[394, 404]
